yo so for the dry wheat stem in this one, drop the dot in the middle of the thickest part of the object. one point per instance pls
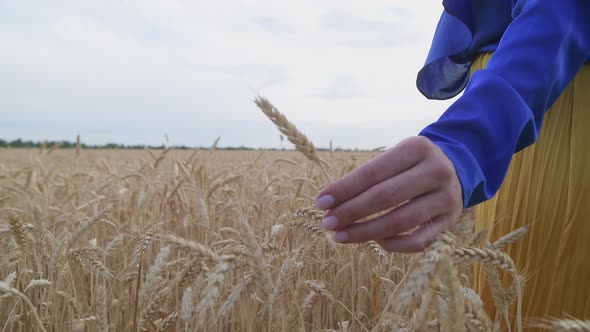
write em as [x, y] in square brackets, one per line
[10, 291]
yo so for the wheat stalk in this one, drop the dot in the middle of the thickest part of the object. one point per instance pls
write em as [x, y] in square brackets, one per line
[8, 290]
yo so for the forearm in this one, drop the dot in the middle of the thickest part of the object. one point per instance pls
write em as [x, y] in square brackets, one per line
[502, 108]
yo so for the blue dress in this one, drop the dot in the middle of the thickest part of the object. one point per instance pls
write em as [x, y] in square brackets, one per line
[538, 45]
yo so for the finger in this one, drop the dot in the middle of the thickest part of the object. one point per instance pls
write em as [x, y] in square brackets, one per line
[417, 212]
[390, 163]
[419, 239]
[392, 192]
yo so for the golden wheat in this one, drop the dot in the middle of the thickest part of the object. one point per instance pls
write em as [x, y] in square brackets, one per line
[218, 241]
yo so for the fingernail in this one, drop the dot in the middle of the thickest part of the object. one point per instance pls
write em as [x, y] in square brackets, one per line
[330, 222]
[340, 237]
[325, 202]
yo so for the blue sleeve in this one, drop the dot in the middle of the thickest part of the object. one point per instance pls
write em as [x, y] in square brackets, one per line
[502, 108]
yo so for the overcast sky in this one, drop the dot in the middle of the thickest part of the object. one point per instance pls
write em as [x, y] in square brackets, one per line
[130, 71]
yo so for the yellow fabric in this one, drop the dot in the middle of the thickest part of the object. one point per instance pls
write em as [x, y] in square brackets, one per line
[548, 188]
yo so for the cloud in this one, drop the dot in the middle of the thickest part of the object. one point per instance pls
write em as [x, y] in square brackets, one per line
[274, 25]
[123, 71]
[342, 88]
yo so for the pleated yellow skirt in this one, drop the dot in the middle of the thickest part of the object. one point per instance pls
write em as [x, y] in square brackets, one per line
[548, 188]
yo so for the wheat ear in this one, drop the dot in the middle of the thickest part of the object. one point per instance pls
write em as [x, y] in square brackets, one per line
[301, 142]
[562, 325]
[453, 294]
[511, 237]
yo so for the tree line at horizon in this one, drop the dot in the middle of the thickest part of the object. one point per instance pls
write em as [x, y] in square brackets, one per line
[20, 143]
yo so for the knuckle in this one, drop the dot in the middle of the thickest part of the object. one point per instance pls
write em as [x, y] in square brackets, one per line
[423, 145]
[457, 201]
[448, 197]
[453, 198]
[414, 148]
[442, 169]
[407, 142]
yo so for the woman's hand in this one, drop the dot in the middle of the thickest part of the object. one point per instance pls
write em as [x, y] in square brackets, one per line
[416, 178]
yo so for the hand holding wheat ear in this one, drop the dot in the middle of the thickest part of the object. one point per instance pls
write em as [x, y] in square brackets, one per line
[416, 178]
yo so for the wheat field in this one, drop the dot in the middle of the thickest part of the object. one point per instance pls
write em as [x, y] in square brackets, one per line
[211, 240]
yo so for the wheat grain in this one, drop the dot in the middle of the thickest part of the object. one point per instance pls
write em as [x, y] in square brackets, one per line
[21, 234]
[494, 257]
[36, 283]
[186, 306]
